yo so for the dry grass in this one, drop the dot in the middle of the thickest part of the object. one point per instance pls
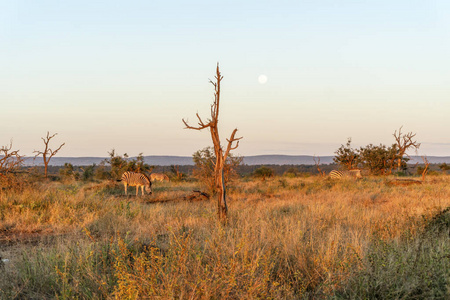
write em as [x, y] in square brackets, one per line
[286, 238]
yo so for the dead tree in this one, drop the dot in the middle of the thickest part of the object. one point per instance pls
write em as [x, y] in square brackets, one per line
[221, 154]
[48, 153]
[404, 142]
[9, 160]
[425, 169]
[317, 162]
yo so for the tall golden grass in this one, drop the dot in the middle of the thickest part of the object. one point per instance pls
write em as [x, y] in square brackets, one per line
[286, 238]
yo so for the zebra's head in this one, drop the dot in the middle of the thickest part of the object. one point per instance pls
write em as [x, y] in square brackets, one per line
[148, 188]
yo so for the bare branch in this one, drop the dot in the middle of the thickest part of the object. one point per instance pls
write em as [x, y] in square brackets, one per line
[317, 162]
[425, 170]
[48, 153]
[52, 153]
[220, 156]
[9, 161]
[404, 142]
[230, 141]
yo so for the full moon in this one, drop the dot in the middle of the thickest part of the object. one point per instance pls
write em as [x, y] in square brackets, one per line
[262, 79]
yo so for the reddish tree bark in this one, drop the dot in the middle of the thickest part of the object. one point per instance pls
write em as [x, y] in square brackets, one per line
[221, 154]
[48, 153]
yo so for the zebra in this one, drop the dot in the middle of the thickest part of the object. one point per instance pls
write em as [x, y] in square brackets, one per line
[159, 176]
[137, 180]
[335, 174]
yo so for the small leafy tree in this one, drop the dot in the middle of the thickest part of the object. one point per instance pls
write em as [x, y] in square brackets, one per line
[101, 172]
[120, 164]
[205, 167]
[263, 172]
[346, 156]
[444, 167]
[68, 171]
[88, 172]
[138, 165]
[377, 159]
[291, 172]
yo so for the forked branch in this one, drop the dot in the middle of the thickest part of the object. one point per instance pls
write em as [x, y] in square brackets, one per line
[404, 142]
[317, 163]
[230, 141]
[425, 170]
[221, 157]
[9, 160]
[201, 124]
[48, 153]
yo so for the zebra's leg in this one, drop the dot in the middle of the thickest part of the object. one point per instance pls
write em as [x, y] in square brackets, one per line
[137, 190]
[125, 185]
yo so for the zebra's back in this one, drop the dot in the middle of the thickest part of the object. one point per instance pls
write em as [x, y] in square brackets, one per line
[137, 180]
[159, 176]
[355, 173]
[335, 174]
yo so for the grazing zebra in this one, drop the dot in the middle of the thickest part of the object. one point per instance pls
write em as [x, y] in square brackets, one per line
[137, 180]
[342, 174]
[159, 176]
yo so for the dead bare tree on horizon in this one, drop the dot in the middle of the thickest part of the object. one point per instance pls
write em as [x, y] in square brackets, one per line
[48, 153]
[221, 155]
[404, 142]
[9, 160]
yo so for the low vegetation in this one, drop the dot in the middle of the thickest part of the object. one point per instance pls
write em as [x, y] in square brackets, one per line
[287, 238]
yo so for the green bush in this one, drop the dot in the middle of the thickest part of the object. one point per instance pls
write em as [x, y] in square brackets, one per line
[263, 172]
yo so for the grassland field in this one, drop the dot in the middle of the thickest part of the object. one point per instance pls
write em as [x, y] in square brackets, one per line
[286, 238]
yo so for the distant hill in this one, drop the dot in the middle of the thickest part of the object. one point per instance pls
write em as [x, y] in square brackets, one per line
[285, 160]
[249, 160]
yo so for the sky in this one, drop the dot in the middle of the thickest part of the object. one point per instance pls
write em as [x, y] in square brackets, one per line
[300, 77]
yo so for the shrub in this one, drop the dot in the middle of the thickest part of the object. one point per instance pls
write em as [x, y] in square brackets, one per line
[204, 167]
[263, 172]
[120, 164]
[346, 156]
[68, 172]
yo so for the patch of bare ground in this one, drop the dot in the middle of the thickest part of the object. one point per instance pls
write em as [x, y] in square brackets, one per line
[404, 181]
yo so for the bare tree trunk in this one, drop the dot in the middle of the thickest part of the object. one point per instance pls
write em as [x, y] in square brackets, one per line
[221, 157]
[425, 170]
[222, 208]
[404, 142]
[45, 166]
[47, 151]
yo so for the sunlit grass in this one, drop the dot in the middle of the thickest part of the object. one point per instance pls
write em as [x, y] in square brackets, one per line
[286, 238]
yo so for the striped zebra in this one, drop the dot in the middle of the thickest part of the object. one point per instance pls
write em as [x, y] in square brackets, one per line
[355, 173]
[159, 176]
[137, 180]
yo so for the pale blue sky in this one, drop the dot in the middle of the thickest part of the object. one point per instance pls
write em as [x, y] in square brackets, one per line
[122, 74]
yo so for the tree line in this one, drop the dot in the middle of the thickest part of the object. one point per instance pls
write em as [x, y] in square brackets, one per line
[378, 159]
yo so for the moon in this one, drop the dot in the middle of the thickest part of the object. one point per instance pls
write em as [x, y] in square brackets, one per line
[262, 79]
